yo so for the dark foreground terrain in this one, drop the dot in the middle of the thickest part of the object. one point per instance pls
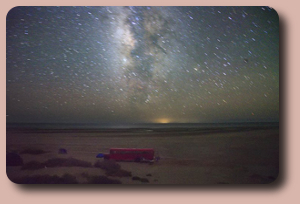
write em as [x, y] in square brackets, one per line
[188, 156]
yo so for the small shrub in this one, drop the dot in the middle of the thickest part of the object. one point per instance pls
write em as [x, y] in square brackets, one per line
[62, 151]
[56, 162]
[63, 162]
[109, 165]
[102, 180]
[13, 159]
[144, 180]
[135, 178]
[47, 179]
[85, 175]
[271, 178]
[33, 151]
[68, 179]
[119, 173]
[33, 165]
[112, 168]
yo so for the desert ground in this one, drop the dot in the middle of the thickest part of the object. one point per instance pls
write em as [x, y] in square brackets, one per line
[213, 156]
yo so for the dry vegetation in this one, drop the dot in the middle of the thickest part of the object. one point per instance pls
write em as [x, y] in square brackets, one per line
[111, 169]
[33, 151]
[47, 179]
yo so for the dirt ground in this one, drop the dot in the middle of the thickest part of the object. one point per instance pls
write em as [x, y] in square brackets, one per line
[236, 156]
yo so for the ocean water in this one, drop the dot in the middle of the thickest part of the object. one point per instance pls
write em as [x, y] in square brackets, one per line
[137, 125]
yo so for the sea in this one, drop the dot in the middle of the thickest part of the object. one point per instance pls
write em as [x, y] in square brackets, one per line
[95, 126]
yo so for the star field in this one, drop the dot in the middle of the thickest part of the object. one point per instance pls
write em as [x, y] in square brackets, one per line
[142, 64]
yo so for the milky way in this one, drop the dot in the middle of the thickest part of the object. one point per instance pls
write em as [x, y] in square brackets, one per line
[142, 64]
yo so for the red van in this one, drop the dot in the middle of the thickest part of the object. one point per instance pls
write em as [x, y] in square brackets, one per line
[130, 154]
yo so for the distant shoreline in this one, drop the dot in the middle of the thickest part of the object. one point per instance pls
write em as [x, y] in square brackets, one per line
[136, 125]
[146, 130]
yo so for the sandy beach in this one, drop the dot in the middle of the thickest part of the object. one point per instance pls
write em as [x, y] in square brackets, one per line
[213, 156]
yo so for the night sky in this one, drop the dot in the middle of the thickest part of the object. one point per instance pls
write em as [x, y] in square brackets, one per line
[142, 64]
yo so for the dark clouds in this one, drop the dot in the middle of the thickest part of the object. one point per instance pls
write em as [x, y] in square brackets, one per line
[142, 64]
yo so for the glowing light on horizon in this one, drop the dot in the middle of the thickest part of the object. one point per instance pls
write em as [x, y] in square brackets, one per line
[163, 120]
